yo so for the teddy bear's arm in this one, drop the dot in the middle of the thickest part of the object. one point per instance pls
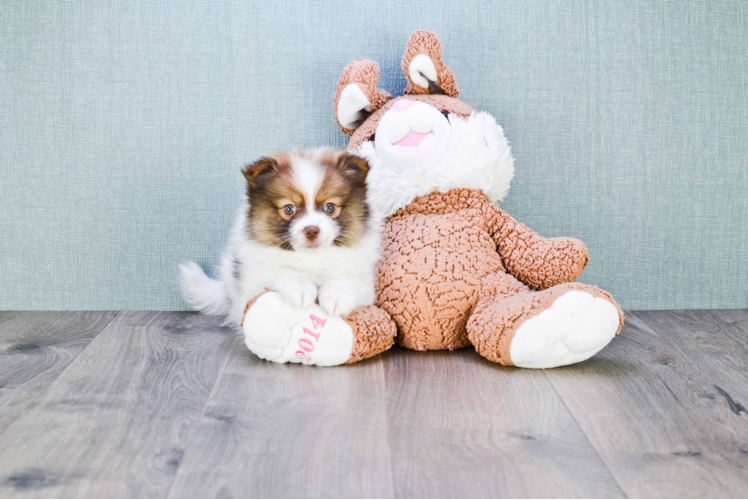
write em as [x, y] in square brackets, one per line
[537, 262]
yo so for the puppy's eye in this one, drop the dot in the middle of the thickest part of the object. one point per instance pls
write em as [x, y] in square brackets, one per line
[289, 209]
[330, 208]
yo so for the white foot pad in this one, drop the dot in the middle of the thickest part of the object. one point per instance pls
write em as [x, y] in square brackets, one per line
[276, 331]
[575, 328]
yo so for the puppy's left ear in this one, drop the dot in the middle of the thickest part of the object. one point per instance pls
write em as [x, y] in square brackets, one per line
[353, 166]
[257, 170]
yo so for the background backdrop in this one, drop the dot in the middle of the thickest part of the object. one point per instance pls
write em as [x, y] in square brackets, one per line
[124, 125]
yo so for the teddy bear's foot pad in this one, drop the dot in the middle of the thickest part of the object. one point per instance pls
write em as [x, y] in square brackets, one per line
[276, 331]
[576, 327]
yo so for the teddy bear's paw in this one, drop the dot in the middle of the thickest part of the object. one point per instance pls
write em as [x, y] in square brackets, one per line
[575, 328]
[267, 325]
[276, 331]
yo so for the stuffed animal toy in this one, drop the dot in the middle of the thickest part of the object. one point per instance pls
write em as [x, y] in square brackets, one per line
[455, 270]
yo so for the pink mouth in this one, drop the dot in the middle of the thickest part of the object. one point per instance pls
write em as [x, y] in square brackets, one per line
[412, 139]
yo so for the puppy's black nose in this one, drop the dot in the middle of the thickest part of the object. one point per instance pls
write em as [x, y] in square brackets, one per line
[311, 232]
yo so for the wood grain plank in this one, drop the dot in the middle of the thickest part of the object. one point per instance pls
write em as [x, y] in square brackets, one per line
[35, 347]
[461, 426]
[735, 322]
[117, 421]
[274, 431]
[660, 405]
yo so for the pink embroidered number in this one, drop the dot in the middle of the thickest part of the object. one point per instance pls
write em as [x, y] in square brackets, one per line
[317, 322]
[313, 334]
[306, 345]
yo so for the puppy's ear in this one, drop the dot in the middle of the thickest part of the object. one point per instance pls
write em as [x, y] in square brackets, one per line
[255, 172]
[353, 166]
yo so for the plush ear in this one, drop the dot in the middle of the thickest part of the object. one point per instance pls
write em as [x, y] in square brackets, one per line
[357, 95]
[255, 172]
[424, 66]
[354, 166]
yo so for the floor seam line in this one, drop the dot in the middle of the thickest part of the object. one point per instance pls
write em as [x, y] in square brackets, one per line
[218, 378]
[387, 427]
[199, 419]
[589, 441]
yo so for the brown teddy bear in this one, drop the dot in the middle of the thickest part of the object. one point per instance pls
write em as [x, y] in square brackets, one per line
[455, 269]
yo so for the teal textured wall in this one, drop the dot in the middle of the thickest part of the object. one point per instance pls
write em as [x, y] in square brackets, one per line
[124, 124]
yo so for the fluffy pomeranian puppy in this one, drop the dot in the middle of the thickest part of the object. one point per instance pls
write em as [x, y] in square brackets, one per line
[305, 231]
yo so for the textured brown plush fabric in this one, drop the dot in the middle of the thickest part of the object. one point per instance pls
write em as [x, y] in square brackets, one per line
[373, 332]
[425, 42]
[538, 262]
[445, 252]
[435, 252]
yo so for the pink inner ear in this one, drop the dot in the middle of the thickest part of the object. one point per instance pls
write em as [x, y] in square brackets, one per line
[412, 139]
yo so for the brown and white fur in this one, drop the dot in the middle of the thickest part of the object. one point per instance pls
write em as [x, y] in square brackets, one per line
[305, 231]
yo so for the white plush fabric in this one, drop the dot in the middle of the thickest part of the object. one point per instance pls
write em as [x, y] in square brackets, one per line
[419, 117]
[575, 328]
[421, 68]
[469, 153]
[351, 106]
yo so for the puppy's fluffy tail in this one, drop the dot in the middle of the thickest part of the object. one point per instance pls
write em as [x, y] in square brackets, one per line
[203, 293]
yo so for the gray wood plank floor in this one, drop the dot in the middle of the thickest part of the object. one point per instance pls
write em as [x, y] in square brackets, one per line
[35, 349]
[171, 404]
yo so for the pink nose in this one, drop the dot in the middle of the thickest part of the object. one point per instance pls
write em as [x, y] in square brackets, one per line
[403, 105]
[311, 232]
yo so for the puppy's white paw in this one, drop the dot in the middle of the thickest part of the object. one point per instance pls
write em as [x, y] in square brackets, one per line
[297, 290]
[337, 298]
